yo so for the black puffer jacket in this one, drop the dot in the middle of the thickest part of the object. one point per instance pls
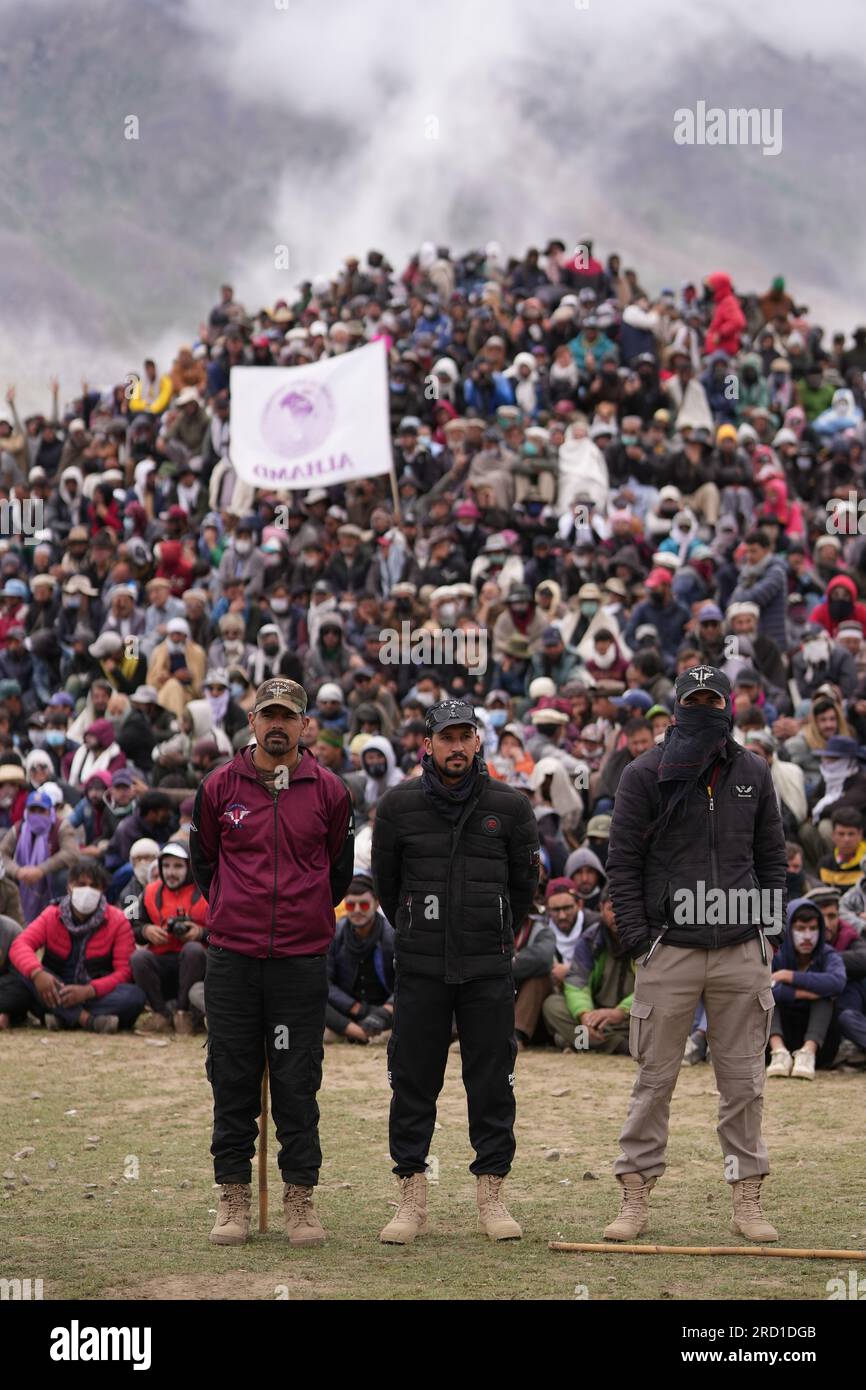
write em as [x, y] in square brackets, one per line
[453, 892]
[734, 841]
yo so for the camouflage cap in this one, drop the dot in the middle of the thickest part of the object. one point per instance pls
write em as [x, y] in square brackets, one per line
[288, 694]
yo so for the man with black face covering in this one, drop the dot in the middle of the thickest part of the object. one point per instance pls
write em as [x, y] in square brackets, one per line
[455, 864]
[695, 831]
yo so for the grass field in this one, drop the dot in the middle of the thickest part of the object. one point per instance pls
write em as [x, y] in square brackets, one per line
[70, 1217]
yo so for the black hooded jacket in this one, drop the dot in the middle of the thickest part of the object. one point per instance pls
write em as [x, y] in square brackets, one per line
[733, 841]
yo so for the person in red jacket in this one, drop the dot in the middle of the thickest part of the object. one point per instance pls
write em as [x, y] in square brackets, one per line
[728, 321]
[272, 844]
[84, 978]
[170, 929]
[840, 606]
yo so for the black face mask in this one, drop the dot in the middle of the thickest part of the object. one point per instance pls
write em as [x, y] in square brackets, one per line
[376, 770]
[796, 884]
[657, 597]
[839, 608]
[271, 648]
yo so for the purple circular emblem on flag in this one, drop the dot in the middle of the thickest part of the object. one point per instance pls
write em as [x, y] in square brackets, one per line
[298, 418]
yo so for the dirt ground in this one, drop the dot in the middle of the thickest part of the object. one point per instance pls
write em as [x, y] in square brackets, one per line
[115, 1200]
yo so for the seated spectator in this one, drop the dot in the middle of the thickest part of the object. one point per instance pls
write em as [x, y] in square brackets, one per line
[808, 976]
[845, 926]
[170, 930]
[360, 969]
[638, 739]
[597, 991]
[144, 862]
[90, 818]
[534, 956]
[825, 719]
[152, 819]
[586, 871]
[511, 763]
[36, 851]
[146, 725]
[841, 867]
[84, 978]
[567, 920]
[10, 927]
[10, 897]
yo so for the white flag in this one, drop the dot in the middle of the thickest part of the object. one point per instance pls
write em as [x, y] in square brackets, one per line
[323, 422]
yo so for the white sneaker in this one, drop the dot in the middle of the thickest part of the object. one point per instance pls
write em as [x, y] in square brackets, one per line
[804, 1065]
[780, 1063]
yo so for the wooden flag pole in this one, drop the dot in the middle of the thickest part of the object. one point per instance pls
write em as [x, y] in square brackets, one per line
[763, 1251]
[395, 496]
[263, 1155]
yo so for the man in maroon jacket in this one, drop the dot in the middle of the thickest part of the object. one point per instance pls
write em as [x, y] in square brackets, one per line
[272, 848]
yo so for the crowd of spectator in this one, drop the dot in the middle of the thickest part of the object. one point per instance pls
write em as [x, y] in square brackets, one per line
[597, 485]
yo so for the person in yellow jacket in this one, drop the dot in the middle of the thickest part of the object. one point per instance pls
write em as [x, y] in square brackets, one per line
[152, 392]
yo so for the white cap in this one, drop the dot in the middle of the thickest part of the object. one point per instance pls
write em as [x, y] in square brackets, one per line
[329, 691]
[140, 848]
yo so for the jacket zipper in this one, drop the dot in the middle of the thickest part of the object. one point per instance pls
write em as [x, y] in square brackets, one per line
[455, 833]
[409, 922]
[714, 863]
[501, 927]
[276, 852]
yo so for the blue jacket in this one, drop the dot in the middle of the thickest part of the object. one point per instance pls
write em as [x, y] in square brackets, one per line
[825, 974]
[669, 622]
[343, 961]
[500, 391]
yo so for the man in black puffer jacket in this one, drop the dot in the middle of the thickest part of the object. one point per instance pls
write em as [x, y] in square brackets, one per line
[697, 873]
[455, 864]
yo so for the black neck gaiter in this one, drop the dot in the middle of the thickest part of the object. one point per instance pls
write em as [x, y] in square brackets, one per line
[449, 798]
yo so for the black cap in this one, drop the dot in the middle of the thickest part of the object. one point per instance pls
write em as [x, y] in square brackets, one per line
[702, 678]
[447, 712]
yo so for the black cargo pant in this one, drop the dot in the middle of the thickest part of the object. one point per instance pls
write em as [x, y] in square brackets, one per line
[273, 1007]
[417, 1056]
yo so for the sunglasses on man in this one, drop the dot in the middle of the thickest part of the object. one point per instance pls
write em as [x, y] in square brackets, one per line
[358, 904]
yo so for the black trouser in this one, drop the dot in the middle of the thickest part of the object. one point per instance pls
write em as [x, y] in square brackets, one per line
[256, 1006]
[417, 1056]
[819, 1024]
[169, 974]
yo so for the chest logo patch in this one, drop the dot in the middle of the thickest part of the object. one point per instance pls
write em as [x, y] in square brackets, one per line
[743, 793]
[490, 825]
[235, 814]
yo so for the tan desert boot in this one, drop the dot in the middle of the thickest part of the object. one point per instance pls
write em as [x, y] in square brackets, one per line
[410, 1218]
[303, 1226]
[633, 1216]
[493, 1216]
[232, 1226]
[748, 1219]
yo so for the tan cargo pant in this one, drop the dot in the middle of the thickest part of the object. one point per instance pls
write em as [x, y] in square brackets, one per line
[735, 984]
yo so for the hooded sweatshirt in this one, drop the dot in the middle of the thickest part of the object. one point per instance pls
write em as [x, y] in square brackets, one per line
[825, 973]
[582, 859]
[830, 621]
[374, 787]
